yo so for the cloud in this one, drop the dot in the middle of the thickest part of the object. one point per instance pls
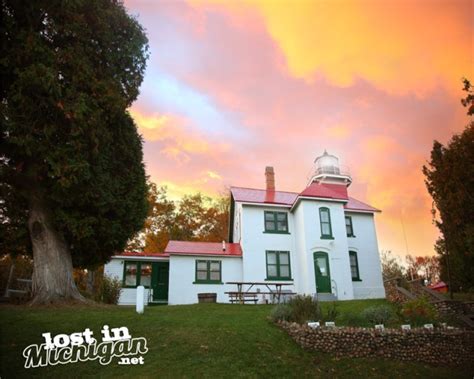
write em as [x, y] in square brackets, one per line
[227, 93]
[398, 46]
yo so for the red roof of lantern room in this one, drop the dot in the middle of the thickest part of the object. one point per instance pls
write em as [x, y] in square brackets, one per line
[203, 248]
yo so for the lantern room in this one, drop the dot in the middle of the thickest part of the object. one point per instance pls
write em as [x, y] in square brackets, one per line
[328, 170]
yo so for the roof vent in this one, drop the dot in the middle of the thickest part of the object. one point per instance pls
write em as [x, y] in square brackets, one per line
[223, 245]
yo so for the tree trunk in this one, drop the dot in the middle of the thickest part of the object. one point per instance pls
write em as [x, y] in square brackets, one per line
[90, 281]
[53, 280]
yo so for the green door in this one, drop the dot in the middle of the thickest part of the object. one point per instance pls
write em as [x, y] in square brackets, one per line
[321, 270]
[159, 279]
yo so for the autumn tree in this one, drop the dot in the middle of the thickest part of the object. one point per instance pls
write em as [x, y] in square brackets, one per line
[159, 222]
[450, 181]
[192, 218]
[422, 268]
[72, 178]
[391, 266]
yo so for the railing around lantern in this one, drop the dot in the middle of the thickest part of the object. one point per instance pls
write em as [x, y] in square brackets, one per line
[332, 170]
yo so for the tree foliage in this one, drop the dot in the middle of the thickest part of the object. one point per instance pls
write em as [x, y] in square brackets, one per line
[391, 266]
[192, 218]
[69, 72]
[427, 268]
[468, 101]
[450, 181]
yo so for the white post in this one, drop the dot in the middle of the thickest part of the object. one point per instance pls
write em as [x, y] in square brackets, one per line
[140, 299]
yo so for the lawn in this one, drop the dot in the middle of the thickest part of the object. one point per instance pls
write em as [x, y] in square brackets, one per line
[207, 340]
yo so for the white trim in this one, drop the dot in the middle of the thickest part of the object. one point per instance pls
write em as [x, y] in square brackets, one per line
[265, 204]
[322, 199]
[360, 211]
[139, 258]
[317, 199]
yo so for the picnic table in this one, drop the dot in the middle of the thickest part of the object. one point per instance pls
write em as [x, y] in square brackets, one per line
[245, 295]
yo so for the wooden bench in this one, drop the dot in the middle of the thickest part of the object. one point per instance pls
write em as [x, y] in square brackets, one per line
[247, 297]
[244, 297]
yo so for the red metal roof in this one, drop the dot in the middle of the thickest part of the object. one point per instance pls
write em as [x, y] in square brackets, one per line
[250, 195]
[326, 190]
[142, 254]
[356, 205]
[203, 248]
[438, 285]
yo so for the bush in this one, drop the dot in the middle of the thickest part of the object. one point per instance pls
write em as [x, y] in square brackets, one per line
[109, 291]
[418, 312]
[352, 319]
[331, 312]
[304, 309]
[378, 314]
[300, 309]
[282, 312]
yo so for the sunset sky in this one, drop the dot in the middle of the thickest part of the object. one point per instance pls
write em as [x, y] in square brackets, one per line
[232, 87]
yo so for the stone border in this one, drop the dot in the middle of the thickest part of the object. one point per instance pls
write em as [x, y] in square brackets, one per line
[437, 346]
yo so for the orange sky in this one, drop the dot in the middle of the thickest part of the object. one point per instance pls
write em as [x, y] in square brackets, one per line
[234, 86]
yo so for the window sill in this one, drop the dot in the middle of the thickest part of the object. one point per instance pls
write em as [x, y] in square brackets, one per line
[327, 237]
[207, 282]
[357, 280]
[351, 236]
[271, 232]
[279, 279]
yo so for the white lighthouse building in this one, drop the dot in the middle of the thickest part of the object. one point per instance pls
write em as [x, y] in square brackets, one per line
[319, 241]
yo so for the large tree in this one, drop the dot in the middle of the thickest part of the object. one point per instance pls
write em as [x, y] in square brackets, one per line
[71, 163]
[450, 182]
[191, 218]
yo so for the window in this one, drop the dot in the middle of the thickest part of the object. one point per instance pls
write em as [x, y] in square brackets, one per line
[325, 220]
[354, 266]
[349, 227]
[137, 274]
[276, 222]
[278, 265]
[208, 272]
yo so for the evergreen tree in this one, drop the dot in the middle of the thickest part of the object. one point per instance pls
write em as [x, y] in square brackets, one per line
[450, 182]
[72, 179]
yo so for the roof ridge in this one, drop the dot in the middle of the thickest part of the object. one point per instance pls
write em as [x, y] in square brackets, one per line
[264, 190]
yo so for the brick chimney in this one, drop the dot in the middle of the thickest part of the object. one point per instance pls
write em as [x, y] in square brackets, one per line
[270, 178]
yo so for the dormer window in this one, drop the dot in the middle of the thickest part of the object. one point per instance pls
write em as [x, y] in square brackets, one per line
[325, 221]
[276, 222]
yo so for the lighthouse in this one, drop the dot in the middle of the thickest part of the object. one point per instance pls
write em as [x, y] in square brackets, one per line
[328, 170]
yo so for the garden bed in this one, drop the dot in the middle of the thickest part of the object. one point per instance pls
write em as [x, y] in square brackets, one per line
[439, 346]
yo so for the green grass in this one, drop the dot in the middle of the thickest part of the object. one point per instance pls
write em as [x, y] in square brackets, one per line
[203, 341]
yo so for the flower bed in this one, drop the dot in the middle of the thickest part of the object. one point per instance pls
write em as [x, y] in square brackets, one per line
[437, 346]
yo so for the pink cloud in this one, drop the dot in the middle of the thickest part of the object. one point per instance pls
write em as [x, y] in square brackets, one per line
[287, 121]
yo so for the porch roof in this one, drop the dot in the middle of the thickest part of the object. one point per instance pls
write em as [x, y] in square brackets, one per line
[203, 248]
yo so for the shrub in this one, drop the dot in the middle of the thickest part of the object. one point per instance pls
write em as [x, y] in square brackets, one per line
[352, 319]
[331, 312]
[418, 312]
[282, 312]
[304, 309]
[300, 309]
[109, 291]
[378, 314]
